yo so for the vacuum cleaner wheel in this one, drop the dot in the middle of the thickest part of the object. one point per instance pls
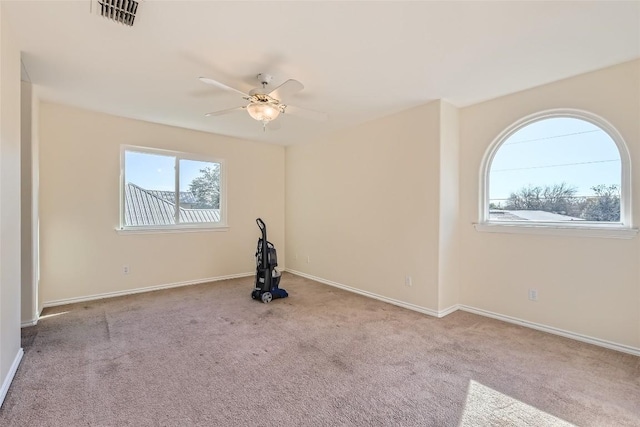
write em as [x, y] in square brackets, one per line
[267, 297]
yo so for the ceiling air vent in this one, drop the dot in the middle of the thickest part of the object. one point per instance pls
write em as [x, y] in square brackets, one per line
[122, 11]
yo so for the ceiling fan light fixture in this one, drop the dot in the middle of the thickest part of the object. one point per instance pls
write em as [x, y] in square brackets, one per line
[264, 111]
[265, 104]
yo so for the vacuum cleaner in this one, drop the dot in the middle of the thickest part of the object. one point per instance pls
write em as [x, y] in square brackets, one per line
[267, 276]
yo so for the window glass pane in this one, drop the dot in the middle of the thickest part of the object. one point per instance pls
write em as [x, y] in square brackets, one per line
[149, 189]
[558, 169]
[199, 191]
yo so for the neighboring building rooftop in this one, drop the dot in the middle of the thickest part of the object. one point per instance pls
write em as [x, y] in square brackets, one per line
[524, 215]
[152, 207]
[186, 197]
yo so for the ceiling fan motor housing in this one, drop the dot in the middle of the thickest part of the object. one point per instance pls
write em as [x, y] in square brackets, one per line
[264, 78]
[264, 98]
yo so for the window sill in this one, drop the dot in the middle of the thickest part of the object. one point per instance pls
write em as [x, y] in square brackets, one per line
[160, 230]
[610, 231]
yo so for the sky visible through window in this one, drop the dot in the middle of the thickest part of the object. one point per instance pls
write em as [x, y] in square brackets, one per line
[156, 172]
[553, 151]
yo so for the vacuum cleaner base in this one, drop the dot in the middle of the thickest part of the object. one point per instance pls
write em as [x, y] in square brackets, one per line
[268, 296]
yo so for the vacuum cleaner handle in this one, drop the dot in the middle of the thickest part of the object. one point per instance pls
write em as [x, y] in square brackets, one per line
[265, 247]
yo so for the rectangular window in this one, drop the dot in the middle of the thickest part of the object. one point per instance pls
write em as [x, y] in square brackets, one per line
[167, 189]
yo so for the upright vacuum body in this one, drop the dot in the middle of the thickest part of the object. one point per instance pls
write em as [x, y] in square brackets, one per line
[267, 276]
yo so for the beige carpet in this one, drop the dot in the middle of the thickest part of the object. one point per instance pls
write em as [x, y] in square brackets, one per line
[208, 355]
[485, 406]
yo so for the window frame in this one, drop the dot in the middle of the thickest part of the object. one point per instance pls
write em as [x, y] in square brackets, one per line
[221, 225]
[622, 229]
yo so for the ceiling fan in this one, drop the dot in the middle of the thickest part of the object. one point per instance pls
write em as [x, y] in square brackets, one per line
[266, 104]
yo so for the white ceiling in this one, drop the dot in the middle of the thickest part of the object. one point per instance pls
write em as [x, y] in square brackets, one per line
[358, 60]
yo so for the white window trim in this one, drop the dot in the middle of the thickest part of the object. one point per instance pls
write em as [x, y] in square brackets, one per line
[623, 229]
[177, 228]
[609, 230]
[170, 229]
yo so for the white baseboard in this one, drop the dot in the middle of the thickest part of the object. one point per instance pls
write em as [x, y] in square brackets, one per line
[12, 373]
[32, 322]
[435, 313]
[449, 310]
[27, 323]
[140, 290]
[552, 330]
[399, 303]
[441, 313]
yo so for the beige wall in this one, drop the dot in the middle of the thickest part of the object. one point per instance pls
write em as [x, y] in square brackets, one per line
[398, 196]
[35, 196]
[449, 239]
[29, 306]
[82, 254]
[363, 206]
[589, 286]
[10, 351]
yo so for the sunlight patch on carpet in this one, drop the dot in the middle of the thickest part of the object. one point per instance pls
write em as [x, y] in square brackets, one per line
[46, 316]
[487, 407]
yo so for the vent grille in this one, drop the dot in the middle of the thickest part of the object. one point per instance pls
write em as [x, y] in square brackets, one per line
[122, 11]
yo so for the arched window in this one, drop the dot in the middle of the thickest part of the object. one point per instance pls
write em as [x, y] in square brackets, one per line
[561, 168]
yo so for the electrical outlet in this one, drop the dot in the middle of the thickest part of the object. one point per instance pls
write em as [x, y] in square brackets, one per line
[408, 281]
[533, 294]
[125, 269]
[308, 259]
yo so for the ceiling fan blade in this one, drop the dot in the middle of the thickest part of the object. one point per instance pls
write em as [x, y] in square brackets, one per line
[221, 85]
[287, 88]
[227, 111]
[307, 114]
